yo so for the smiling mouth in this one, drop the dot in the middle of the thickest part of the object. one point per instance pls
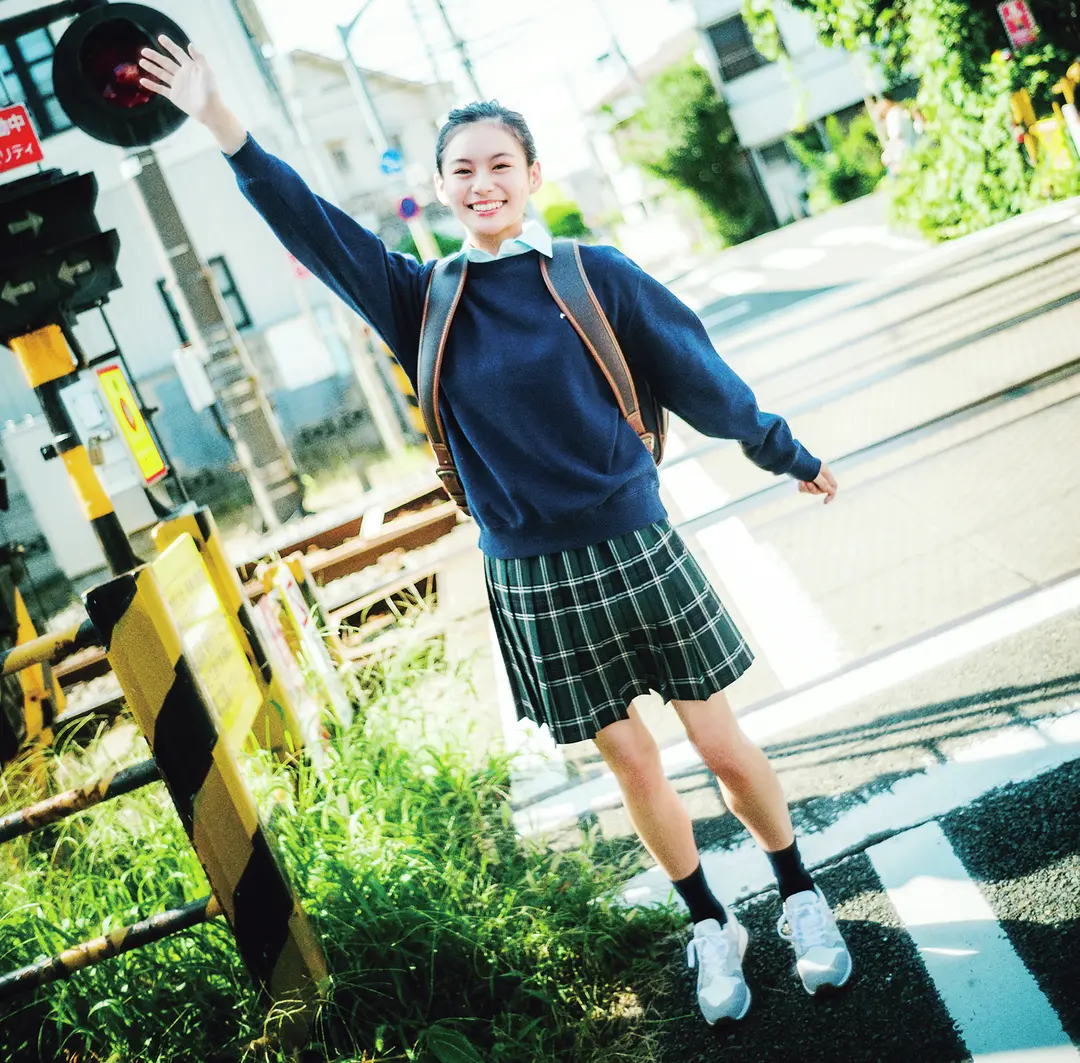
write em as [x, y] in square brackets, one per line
[487, 207]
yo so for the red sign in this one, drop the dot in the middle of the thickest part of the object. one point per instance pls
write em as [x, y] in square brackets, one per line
[18, 141]
[1020, 26]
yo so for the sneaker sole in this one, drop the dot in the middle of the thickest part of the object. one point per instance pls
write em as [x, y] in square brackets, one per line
[728, 1019]
[744, 941]
[829, 989]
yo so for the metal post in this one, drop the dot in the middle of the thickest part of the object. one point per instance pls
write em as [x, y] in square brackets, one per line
[425, 242]
[175, 711]
[53, 809]
[115, 943]
[47, 360]
[462, 51]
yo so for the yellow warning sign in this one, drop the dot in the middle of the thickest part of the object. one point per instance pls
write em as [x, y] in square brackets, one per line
[209, 640]
[136, 433]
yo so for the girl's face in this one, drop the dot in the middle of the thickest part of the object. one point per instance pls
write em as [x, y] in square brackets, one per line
[486, 182]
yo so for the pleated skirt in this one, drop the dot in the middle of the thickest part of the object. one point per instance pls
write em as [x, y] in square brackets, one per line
[583, 632]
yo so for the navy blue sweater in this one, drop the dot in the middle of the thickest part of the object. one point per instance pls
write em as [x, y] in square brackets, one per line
[546, 458]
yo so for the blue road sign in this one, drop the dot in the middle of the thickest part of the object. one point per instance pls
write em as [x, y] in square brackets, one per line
[391, 161]
[407, 208]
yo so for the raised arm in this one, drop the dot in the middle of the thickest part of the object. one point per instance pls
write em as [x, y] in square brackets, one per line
[664, 339]
[384, 287]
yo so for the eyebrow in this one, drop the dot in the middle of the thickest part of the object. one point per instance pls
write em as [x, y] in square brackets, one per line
[497, 155]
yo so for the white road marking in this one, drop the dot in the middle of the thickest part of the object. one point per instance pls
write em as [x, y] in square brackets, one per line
[996, 1004]
[736, 282]
[830, 695]
[737, 310]
[793, 258]
[1012, 755]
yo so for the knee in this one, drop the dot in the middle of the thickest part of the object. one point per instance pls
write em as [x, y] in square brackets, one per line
[727, 755]
[633, 758]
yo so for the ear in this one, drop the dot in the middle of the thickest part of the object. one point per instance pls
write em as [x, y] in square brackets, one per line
[440, 189]
[536, 178]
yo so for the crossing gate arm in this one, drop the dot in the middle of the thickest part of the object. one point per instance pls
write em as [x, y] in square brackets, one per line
[53, 809]
[49, 649]
[119, 941]
[273, 935]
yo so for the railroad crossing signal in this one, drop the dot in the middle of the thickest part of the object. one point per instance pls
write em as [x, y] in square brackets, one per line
[54, 260]
[96, 75]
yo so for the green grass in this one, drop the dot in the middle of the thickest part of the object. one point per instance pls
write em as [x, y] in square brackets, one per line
[449, 938]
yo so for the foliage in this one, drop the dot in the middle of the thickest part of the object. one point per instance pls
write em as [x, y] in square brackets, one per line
[848, 168]
[967, 171]
[564, 219]
[447, 245]
[449, 937]
[683, 134]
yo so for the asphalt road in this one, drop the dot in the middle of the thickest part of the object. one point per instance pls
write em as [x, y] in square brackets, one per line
[917, 682]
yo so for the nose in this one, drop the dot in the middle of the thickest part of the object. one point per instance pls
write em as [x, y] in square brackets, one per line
[481, 183]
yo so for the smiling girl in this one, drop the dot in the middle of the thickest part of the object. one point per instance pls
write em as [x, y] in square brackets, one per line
[595, 598]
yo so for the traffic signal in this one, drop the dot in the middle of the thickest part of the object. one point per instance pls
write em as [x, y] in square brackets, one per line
[96, 75]
[55, 261]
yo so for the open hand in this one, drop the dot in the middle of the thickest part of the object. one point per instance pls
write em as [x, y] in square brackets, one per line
[183, 78]
[825, 484]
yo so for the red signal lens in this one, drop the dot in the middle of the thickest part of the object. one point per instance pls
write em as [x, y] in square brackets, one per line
[109, 61]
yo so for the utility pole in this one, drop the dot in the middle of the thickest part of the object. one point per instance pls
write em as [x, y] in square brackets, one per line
[242, 410]
[433, 61]
[616, 47]
[459, 44]
[425, 242]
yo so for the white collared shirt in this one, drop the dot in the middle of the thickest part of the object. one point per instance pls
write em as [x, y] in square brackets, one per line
[534, 237]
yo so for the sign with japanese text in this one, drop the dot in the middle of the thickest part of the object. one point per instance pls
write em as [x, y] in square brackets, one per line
[1019, 24]
[19, 144]
[136, 433]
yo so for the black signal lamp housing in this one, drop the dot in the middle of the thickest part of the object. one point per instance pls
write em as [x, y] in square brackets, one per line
[96, 74]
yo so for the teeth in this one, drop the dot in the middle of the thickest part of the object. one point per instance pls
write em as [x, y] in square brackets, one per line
[486, 208]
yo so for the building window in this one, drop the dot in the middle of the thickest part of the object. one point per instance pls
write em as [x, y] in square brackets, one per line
[734, 47]
[26, 77]
[230, 296]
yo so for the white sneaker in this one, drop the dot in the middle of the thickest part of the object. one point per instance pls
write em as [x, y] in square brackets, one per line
[717, 952]
[821, 957]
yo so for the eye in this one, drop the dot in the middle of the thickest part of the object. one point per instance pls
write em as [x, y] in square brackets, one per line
[502, 165]
[460, 173]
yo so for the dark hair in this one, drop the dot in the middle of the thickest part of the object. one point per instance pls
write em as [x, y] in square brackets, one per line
[489, 111]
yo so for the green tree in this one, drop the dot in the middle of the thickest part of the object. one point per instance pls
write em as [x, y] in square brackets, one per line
[967, 172]
[850, 167]
[683, 134]
[564, 219]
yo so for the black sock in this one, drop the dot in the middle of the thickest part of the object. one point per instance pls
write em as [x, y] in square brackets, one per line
[790, 874]
[695, 891]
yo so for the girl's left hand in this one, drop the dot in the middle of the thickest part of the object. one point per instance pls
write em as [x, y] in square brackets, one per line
[825, 484]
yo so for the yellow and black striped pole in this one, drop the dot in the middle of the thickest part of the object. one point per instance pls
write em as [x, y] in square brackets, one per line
[407, 403]
[46, 360]
[172, 707]
[60, 806]
[277, 726]
[116, 942]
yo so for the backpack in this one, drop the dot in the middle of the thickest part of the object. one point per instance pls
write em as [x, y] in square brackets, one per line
[569, 286]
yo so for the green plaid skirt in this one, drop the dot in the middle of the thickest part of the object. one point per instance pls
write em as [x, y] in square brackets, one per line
[583, 632]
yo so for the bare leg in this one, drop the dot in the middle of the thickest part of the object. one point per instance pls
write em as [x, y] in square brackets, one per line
[655, 809]
[747, 780]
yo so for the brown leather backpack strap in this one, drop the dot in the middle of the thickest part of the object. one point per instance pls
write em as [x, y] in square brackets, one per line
[443, 295]
[569, 286]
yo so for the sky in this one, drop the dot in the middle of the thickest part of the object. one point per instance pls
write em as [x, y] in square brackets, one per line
[539, 58]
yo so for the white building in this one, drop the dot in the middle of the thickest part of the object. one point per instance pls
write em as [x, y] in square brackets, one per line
[768, 102]
[267, 294]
